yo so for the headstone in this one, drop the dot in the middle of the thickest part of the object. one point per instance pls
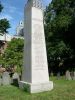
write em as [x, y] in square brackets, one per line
[58, 75]
[16, 79]
[0, 81]
[51, 74]
[6, 78]
[35, 77]
[74, 76]
[68, 76]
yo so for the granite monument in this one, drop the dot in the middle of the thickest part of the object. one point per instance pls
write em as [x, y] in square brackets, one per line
[35, 77]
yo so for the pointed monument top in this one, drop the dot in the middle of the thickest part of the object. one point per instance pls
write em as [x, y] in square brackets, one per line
[36, 3]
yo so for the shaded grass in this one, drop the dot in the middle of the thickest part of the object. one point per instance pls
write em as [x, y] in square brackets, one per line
[63, 90]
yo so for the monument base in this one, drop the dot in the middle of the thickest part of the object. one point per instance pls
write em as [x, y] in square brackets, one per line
[36, 87]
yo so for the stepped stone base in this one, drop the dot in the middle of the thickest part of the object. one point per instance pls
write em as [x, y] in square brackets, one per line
[36, 87]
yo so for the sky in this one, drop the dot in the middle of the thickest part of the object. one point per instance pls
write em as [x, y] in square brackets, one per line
[14, 12]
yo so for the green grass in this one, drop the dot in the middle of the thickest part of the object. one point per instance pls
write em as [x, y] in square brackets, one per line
[63, 90]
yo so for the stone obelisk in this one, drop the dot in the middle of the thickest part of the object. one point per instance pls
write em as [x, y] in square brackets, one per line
[35, 76]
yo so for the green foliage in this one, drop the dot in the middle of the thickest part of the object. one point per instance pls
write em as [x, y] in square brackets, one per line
[59, 50]
[59, 30]
[2, 61]
[13, 55]
[4, 23]
[1, 7]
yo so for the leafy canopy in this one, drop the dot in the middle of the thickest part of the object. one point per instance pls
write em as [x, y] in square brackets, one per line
[59, 30]
[13, 54]
[4, 23]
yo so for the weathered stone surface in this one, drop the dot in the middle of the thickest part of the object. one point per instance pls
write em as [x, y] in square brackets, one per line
[16, 76]
[35, 69]
[68, 76]
[6, 78]
[58, 75]
[74, 76]
[15, 79]
[36, 87]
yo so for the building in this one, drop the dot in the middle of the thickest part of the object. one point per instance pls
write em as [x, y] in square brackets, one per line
[8, 37]
[20, 29]
[4, 39]
[3, 42]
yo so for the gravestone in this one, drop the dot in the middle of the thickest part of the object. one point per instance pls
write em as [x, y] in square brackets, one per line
[68, 76]
[0, 81]
[74, 76]
[35, 77]
[5, 78]
[51, 74]
[58, 75]
[15, 79]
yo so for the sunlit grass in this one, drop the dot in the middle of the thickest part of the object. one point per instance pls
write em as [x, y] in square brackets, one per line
[63, 90]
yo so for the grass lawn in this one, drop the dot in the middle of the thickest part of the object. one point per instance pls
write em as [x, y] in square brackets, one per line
[63, 90]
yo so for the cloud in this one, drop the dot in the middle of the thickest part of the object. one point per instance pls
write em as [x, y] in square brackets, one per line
[12, 9]
[9, 8]
[7, 16]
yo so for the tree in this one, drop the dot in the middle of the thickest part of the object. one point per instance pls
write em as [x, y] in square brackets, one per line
[1, 7]
[13, 55]
[59, 31]
[4, 23]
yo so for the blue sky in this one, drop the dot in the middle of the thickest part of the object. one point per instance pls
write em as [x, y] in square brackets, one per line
[14, 12]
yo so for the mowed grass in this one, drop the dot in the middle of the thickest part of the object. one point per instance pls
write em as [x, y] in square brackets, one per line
[63, 90]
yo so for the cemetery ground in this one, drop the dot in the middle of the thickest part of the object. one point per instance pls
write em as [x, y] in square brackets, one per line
[63, 90]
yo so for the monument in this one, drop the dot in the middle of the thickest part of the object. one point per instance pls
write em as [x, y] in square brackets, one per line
[35, 76]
